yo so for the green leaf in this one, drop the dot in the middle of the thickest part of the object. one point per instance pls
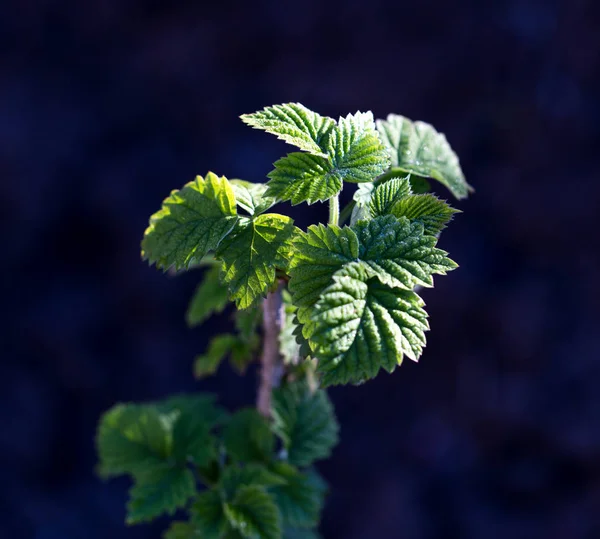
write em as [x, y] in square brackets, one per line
[354, 154]
[318, 253]
[429, 210]
[399, 253]
[209, 298]
[201, 405]
[301, 177]
[133, 438]
[247, 321]
[387, 195]
[251, 255]
[356, 150]
[295, 124]
[208, 363]
[251, 196]
[236, 476]
[192, 222]
[416, 147]
[192, 440]
[163, 490]
[208, 515]
[361, 325]
[300, 499]
[305, 422]
[248, 437]
[254, 514]
[181, 530]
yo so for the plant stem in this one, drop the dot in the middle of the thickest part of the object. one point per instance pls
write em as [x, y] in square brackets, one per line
[334, 210]
[347, 211]
[271, 370]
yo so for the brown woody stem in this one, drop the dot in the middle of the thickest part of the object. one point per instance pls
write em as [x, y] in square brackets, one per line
[271, 366]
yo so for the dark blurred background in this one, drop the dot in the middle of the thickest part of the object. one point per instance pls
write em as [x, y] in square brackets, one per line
[107, 105]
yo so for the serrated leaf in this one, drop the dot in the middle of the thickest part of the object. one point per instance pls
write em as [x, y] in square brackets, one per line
[305, 422]
[318, 254]
[236, 476]
[355, 149]
[416, 147]
[248, 437]
[399, 253]
[218, 349]
[254, 514]
[252, 253]
[361, 325]
[396, 250]
[192, 441]
[191, 222]
[295, 124]
[354, 154]
[300, 500]
[209, 298]
[163, 490]
[181, 530]
[251, 196]
[387, 195]
[133, 438]
[300, 177]
[429, 210]
[208, 515]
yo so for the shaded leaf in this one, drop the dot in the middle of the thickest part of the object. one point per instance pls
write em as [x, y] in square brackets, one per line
[209, 298]
[236, 476]
[416, 147]
[305, 422]
[133, 438]
[300, 499]
[181, 530]
[254, 514]
[218, 349]
[248, 437]
[161, 490]
[208, 515]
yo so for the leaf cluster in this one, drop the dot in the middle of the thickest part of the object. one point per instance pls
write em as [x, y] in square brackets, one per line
[233, 475]
[353, 307]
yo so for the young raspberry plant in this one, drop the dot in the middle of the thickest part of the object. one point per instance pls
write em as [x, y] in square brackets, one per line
[333, 304]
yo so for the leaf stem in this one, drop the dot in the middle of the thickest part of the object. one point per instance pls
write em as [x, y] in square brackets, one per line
[334, 210]
[271, 368]
[347, 211]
